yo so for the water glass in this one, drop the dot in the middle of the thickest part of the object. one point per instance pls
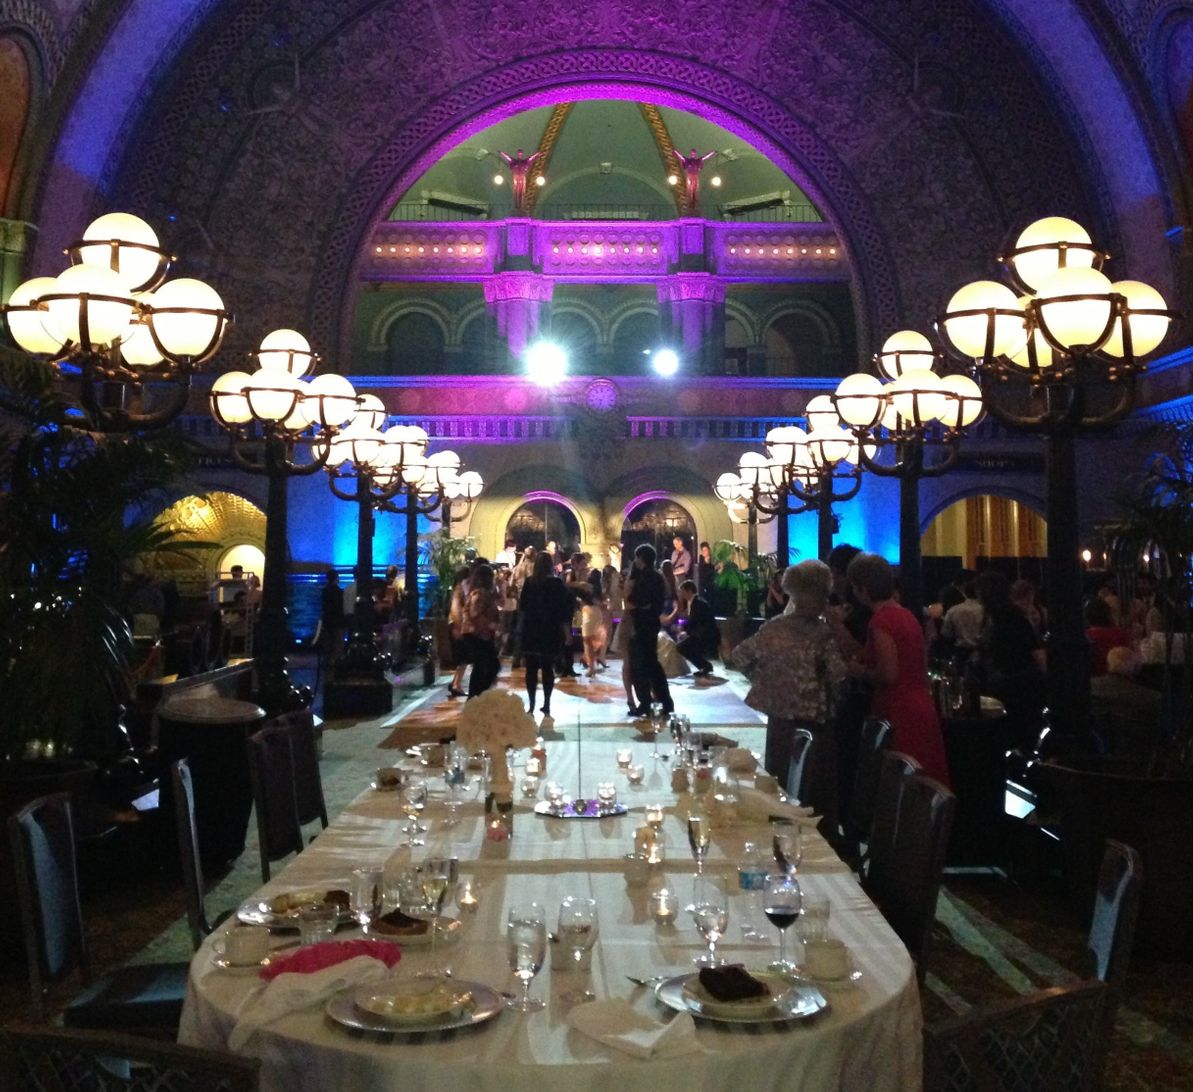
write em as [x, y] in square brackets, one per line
[577, 933]
[368, 894]
[813, 919]
[526, 948]
[414, 799]
[606, 796]
[710, 912]
[317, 923]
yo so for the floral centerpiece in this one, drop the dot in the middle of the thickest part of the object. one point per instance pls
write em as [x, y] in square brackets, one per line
[491, 722]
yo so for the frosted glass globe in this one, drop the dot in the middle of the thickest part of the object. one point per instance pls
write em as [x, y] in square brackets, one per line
[272, 395]
[915, 396]
[330, 401]
[470, 484]
[829, 446]
[782, 442]
[107, 319]
[821, 413]
[228, 403]
[727, 486]
[179, 321]
[905, 349]
[414, 469]
[356, 444]
[969, 332]
[962, 405]
[137, 267]
[287, 350]
[1034, 267]
[1147, 331]
[442, 467]
[27, 327]
[137, 346]
[371, 412]
[1074, 323]
[751, 467]
[860, 399]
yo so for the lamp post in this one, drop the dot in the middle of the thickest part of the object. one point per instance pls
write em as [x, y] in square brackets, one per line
[271, 415]
[1057, 361]
[906, 418]
[113, 319]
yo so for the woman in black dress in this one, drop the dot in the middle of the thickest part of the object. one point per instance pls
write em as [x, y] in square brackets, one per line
[546, 607]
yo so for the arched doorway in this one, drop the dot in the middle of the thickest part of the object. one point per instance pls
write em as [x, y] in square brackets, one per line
[234, 525]
[984, 532]
[656, 521]
[540, 521]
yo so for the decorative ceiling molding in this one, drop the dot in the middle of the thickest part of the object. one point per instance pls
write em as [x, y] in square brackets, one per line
[546, 146]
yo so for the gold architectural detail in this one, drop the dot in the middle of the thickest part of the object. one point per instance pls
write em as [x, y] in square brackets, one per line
[663, 143]
[546, 147]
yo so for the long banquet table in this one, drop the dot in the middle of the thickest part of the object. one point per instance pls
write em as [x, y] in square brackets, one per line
[868, 1039]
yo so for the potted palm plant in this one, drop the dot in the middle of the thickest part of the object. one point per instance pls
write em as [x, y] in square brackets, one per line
[1145, 798]
[445, 555]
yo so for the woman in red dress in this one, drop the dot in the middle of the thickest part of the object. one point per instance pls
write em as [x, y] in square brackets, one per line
[894, 662]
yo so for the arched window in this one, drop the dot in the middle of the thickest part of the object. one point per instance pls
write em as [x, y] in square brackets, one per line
[657, 522]
[16, 100]
[802, 343]
[414, 344]
[482, 351]
[578, 336]
[538, 522]
[635, 338]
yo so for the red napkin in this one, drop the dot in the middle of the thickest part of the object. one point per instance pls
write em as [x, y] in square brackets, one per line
[327, 953]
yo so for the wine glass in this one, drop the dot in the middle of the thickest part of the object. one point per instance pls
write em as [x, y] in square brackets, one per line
[577, 933]
[455, 773]
[657, 721]
[414, 797]
[368, 894]
[781, 903]
[787, 844]
[526, 947]
[711, 915]
[699, 838]
[435, 876]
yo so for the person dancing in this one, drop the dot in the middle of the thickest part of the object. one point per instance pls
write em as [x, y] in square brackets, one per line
[644, 596]
[546, 609]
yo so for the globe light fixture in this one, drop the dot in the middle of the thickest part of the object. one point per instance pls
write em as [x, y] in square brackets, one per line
[1071, 366]
[288, 350]
[111, 319]
[905, 350]
[665, 362]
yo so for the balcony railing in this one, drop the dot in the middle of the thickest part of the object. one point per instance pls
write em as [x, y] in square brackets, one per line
[423, 212]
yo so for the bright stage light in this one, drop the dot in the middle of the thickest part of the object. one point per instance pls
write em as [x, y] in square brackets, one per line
[665, 362]
[546, 363]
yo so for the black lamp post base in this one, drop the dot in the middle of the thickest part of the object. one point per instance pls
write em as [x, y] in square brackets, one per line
[357, 697]
[276, 694]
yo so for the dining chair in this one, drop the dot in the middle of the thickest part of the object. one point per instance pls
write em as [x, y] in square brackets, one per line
[875, 738]
[905, 887]
[308, 780]
[275, 801]
[1116, 909]
[42, 1059]
[878, 853]
[142, 998]
[1049, 1039]
[803, 743]
[193, 883]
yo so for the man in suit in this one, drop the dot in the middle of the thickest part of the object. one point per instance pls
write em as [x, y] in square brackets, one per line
[701, 637]
[644, 597]
[681, 560]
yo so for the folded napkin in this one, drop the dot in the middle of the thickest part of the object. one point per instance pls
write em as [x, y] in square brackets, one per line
[290, 992]
[318, 957]
[753, 804]
[617, 1024]
[741, 760]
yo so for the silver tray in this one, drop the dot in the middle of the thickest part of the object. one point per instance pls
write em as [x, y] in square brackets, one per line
[258, 912]
[804, 1002]
[486, 1003]
[567, 810]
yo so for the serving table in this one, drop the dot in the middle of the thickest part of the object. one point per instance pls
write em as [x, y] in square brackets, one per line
[868, 1039]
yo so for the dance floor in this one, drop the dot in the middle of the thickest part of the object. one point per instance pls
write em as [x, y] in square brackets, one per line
[992, 939]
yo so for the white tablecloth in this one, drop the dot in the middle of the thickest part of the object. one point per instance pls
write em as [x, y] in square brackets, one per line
[868, 1040]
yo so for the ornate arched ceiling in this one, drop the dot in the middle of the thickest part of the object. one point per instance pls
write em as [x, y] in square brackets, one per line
[279, 129]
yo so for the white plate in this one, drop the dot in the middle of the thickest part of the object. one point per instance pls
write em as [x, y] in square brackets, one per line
[486, 1003]
[261, 911]
[804, 1001]
[384, 1003]
[780, 990]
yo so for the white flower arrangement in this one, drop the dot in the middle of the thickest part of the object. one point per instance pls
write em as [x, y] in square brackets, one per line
[493, 721]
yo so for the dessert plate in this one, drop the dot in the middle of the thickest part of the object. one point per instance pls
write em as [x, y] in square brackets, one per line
[803, 1002]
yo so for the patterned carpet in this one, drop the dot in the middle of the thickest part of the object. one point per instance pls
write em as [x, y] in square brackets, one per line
[992, 938]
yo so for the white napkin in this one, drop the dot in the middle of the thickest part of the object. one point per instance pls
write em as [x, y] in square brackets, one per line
[754, 804]
[740, 760]
[617, 1024]
[290, 992]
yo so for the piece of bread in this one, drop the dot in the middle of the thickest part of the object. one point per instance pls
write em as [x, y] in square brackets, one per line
[338, 897]
[732, 983]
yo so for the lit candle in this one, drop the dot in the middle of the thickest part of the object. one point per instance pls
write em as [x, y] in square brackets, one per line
[664, 906]
[654, 815]
[534, 766]
[466, 897]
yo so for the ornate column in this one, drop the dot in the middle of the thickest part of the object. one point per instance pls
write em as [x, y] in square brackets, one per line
[12, 255]
[694, 303]
[516, 298]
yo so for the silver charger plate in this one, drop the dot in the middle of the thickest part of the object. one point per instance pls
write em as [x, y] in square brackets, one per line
[258, 912]
[486, 1003]
[804, 1002]
[568, 811]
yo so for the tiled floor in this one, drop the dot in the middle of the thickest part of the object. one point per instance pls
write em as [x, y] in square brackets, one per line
[992, 939]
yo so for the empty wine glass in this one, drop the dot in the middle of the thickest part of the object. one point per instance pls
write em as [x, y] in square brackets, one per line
[658, 721]
[781, 903]
[368, 894]
[414, 797]
[577, 933]
[526, 947]
[787, 844]
[711, 915]
[455, 773]
[436, 876]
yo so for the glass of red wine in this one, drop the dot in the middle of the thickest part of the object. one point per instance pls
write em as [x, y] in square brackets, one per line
[781, 903]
